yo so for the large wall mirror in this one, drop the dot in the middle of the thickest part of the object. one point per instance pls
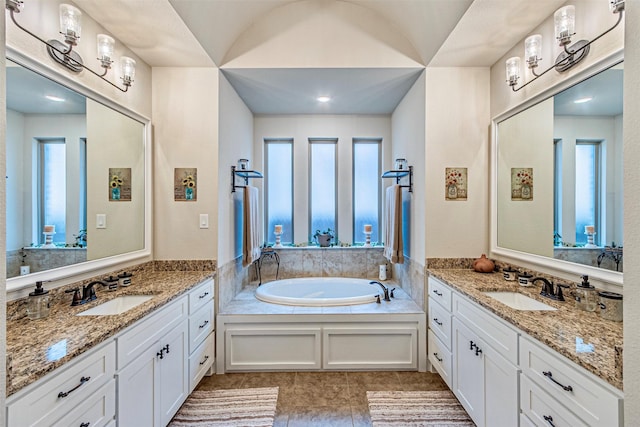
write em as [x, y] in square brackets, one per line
[559, 181]
[75, 187]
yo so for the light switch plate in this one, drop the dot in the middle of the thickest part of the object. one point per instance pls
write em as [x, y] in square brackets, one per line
[101, 220]
[204, 220]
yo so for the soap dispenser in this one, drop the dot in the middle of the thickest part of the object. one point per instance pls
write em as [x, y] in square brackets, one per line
[586, 295]
[38, 303]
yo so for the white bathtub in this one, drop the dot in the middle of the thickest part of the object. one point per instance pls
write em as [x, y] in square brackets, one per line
[319, 291]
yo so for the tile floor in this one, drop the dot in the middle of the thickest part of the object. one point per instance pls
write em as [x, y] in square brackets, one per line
[326, 399]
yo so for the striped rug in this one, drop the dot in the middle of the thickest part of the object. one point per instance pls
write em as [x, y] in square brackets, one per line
[250, 407]
[416, 408]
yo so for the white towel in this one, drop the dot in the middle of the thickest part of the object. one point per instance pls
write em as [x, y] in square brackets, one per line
[393, 245]
[251, 229]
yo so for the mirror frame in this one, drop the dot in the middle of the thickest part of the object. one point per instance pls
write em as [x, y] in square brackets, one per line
[539, 262]
[18, 283]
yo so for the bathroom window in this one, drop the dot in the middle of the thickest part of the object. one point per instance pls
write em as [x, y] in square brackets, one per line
[83, 185]
[279, 188]
[587, 189]
[323, 204]
[52, 188]
[366, 188]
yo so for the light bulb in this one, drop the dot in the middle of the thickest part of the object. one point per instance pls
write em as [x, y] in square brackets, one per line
[128, 66]
[105, 48]
[70, 26]
[533, 50]
[513, 70]
[565, 24]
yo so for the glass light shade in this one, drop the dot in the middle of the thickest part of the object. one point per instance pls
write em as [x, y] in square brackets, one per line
[105, 46]
[533, 49]
[565, 24]
[513, 70]
[70, 21]
[128, 66]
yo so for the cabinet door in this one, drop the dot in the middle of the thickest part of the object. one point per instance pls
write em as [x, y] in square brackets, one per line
[174, 371]
[468, 373]
[501, 390]
[136, 385]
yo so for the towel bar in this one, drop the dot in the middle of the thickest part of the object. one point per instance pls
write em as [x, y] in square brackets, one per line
[399, 174]
[246, 174]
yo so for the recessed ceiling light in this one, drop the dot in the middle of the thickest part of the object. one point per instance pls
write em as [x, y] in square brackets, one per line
[323, 99]
[54, 98]
[583, 100]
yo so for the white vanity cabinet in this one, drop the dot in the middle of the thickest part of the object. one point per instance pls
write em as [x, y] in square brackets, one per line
[201, 332]
[439, 334]
[153, 367]
[485, 373]
[557, 390]
[79, 392]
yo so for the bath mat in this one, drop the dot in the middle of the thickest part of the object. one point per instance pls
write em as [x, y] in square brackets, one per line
[250, 407]
[416, 408]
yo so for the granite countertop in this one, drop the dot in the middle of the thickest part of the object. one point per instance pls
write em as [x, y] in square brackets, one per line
[563, 330]
[37, 347]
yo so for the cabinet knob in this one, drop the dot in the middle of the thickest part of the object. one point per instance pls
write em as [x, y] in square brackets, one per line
[206, 322]
[437, 358]
[549, 419]
[435, 291]
[203, 295]
[87, 424]
[439, 323]
[549, 375]
[204, 360]
[63, 394]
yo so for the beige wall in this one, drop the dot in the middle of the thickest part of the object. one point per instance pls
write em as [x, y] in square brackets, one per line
[236, 142]
[632, 216]
[457, 135]
[15, 196]
[113, 141]
[408, 130]
[185, 135]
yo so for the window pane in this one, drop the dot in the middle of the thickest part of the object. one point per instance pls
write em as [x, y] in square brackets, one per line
[279, 186]
[586, 189]
[557, 192]
[366, 193]
[54, 195]
[323, 187]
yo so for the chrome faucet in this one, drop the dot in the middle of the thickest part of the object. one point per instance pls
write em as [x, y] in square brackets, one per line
[384, 289]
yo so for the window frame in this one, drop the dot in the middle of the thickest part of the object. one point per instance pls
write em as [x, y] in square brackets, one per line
[334, 142]
[356, 141]
[267, 141]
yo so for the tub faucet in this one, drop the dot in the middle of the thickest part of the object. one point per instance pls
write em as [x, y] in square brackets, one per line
[384, 289]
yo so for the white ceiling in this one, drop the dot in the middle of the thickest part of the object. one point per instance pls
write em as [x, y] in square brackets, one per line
[198, 33]
[605, 89]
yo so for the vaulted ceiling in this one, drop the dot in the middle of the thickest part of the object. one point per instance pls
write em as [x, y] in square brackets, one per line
[235, 34]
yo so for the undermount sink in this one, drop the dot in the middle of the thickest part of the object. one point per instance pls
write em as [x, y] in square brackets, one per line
[519, 301]
[116, 306]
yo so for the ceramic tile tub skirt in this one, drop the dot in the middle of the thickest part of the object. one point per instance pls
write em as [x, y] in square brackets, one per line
[416, 408]
[251, 407]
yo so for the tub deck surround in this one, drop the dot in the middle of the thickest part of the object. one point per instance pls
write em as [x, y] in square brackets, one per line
[37, 347]
[247, 303]
[568, 330]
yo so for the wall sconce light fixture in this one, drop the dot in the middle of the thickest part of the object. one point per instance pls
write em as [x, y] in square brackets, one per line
[565, 23]
[63, 53]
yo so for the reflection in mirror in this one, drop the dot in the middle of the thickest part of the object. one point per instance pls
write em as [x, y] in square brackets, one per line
[559, 175]
[64, 153]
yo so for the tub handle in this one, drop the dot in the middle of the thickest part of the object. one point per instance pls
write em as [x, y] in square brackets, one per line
[378, 299]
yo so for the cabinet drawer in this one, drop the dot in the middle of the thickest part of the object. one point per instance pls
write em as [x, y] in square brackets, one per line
[440, 322]
[200, 295]
[136, 339]
[501, 337]
[200, 361]
[97, 410]
[43, 403]
[588, 398]
[544, 410]
[440, 358]
[440, 292]
[200, 325]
